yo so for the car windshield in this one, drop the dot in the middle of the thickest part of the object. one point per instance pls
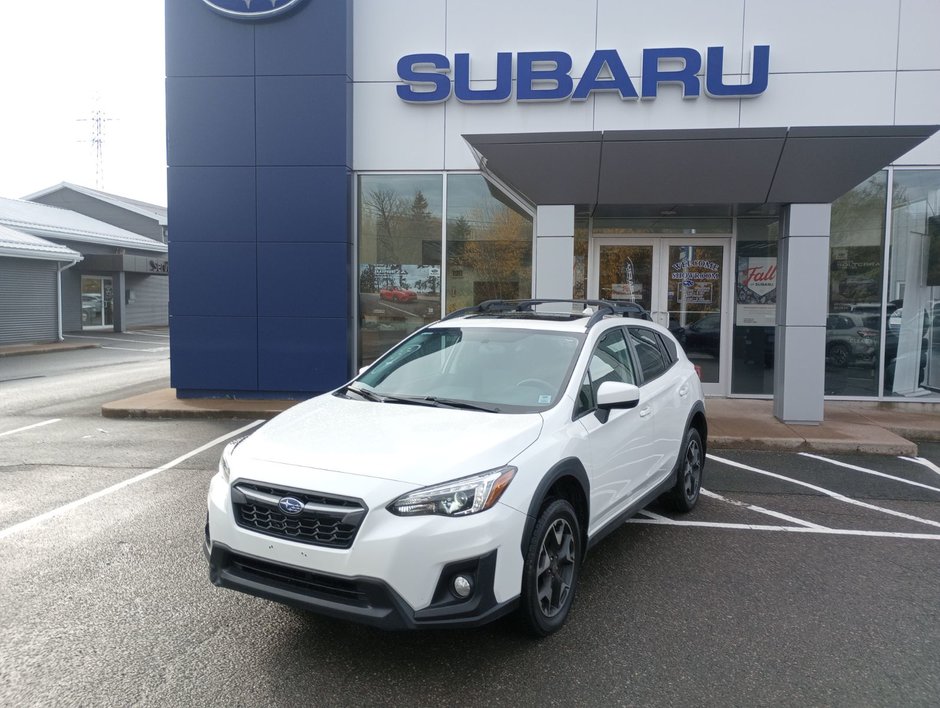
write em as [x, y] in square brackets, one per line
[499, 369]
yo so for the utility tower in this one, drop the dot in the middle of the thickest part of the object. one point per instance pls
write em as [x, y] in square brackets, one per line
[98, 120]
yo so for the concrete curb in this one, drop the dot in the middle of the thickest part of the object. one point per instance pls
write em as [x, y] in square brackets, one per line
[163, 404]
[25, 349]
[840, 447]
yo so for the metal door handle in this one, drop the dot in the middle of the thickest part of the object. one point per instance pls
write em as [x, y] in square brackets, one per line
[646, 411]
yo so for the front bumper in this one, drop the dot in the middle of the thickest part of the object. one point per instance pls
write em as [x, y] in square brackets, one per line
[396, 575]
[365, 600]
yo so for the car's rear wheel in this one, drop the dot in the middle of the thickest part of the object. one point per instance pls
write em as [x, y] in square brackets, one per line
[840, 355]
[685, 494]
[551, 570]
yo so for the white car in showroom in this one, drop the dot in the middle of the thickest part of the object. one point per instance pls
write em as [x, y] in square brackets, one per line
[466, 473]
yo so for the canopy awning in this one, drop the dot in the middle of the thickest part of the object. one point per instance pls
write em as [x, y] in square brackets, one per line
[702, 166]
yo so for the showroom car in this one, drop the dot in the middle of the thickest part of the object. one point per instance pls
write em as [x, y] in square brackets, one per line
[466, 473]
[398, 294]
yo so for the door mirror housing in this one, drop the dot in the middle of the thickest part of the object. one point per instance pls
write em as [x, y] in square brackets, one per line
[363, 369]
[615, 394]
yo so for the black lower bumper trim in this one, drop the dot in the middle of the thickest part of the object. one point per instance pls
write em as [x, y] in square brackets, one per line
[365, 600]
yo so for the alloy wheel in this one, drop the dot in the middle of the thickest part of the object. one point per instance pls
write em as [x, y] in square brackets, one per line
[692, 472]
[556, 568]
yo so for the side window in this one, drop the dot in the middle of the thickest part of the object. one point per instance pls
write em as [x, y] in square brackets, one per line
[649, 352]
[610, 362]
[669, 346]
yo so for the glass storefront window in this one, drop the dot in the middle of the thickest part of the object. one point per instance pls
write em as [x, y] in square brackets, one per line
[399, 258]
[856, 256]
[609, 226]
[912, 339]
[755, 307]
[489, 244]
[582, 240]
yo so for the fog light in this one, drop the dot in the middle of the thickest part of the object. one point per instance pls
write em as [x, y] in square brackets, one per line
[462, 586]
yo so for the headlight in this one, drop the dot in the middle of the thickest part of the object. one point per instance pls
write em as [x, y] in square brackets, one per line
[227, 451]
[468, 495]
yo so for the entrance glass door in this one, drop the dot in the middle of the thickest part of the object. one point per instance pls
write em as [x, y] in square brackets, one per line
[681, 282]
[97, 302]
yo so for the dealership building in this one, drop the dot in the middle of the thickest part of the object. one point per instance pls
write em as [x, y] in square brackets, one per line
[763, 178]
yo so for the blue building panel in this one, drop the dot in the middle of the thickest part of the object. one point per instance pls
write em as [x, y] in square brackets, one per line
[314, 41]
[210, 121]
[213, 280]
[303, 279]
[259, 144]
[307, 204]
[213, 354]
[302, 354]
[212, 204]
[199, 43]
[302, 120]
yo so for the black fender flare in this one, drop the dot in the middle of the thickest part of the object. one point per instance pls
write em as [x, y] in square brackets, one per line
[568, 467]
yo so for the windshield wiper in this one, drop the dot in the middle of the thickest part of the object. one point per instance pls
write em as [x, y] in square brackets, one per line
[447, 403]
[366, 394]
[421, 400]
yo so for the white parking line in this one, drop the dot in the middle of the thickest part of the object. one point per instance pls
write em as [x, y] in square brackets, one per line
[868, 471]
[152, 334]
[110, 339]
[142, 349]
[762, 510]
[10, 530]
[786, 529]
[822, 490]
[30, 427]
[923, 461]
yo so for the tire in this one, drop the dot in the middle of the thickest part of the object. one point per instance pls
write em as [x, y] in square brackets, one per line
[551, 569]
[685, 494]
[840, 355]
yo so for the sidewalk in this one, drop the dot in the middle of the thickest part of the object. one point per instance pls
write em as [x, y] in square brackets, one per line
[732, 423]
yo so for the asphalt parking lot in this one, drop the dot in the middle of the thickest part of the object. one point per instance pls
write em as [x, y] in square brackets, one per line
[797, 581]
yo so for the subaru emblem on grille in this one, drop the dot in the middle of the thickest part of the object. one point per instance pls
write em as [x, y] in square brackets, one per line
[290, 505]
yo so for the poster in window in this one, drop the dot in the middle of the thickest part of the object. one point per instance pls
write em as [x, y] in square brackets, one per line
[756, 292]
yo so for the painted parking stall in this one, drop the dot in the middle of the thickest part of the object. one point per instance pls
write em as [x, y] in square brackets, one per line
[804, 493]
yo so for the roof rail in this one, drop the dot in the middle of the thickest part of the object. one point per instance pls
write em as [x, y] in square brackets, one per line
[604, 309]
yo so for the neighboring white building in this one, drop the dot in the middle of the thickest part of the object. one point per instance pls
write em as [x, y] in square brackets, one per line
[62, 271]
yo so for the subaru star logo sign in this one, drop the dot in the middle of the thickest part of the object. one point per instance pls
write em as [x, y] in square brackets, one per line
[251, 9]
[290, 505]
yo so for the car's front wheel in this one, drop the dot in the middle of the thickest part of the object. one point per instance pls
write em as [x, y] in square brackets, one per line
[552, 566]
[685, 494]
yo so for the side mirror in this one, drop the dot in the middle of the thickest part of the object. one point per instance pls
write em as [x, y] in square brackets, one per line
[364, 369]
[614, 394]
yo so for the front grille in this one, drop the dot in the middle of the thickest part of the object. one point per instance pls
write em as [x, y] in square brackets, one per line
[347, 592]
[325, 521]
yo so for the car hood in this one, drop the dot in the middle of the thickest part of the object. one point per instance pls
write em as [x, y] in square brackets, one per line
[417, 444]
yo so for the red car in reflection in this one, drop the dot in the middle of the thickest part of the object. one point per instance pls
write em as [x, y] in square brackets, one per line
[398, 295]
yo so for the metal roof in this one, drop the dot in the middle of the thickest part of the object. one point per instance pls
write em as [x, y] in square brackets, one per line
[16, 244]
[152, 211]
[51, 222]
[696, 166]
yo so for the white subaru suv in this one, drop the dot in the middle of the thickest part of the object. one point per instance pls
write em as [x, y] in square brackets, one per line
[466, 473]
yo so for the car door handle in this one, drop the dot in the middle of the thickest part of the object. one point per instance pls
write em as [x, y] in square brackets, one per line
[646, 411]
[683, 391]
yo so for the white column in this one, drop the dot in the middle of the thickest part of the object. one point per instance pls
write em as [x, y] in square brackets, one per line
[554, 251]
[802, 307]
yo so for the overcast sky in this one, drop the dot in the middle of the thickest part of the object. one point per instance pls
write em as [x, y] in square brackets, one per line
[60, 61]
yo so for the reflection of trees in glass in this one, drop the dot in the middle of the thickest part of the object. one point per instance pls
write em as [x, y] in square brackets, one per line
[857, 245]
[493, 244]
[401, 228]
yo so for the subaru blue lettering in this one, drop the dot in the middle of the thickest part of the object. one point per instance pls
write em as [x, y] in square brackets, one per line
[546, 76]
